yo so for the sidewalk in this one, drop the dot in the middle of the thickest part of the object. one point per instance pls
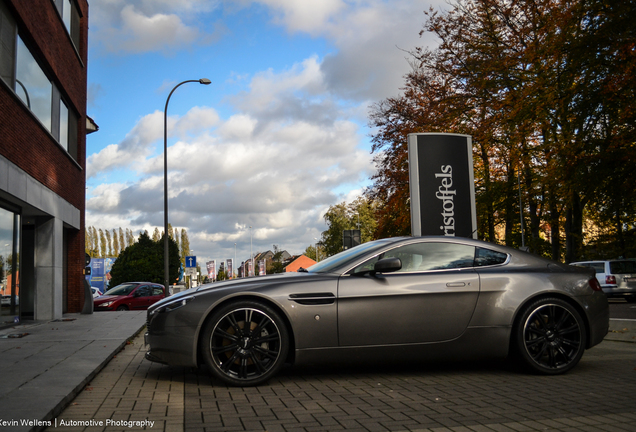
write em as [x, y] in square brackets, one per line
[46, 364]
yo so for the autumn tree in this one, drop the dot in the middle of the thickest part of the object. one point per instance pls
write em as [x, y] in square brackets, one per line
[544, 88]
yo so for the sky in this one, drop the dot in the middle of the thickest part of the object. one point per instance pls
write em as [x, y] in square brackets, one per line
[279, 135]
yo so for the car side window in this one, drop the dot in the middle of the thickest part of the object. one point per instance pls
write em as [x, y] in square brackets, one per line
[418, 257]
[487, 257]
[144, 291]
[157, 290]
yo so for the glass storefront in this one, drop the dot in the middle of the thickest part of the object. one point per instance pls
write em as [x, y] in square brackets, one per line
[9, 267]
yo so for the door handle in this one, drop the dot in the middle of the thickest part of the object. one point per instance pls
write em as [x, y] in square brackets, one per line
[456, 284]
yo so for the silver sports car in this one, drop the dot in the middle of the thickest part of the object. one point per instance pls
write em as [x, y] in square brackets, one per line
[421, 298]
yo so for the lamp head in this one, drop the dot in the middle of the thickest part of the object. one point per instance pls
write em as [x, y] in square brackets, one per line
[205, 81]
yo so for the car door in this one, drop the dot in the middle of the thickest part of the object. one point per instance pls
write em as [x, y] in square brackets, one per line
[431, 298]
[141, 297]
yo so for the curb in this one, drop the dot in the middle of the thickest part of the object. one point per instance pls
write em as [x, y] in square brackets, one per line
[622, 330]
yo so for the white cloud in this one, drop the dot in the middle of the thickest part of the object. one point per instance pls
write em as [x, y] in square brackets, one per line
[133, 149]
[303, 15]
[290, 146]
[151, 25]
[273, 169]
[370, 37]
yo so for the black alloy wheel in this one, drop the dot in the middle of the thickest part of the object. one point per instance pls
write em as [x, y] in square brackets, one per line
[550, 336]
[245, 343]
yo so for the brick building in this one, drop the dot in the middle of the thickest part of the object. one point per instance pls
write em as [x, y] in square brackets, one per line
[43, 126]
[298, 261]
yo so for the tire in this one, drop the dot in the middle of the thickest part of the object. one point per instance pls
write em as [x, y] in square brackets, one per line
[550, 336]
[121, 308]
[241, 355]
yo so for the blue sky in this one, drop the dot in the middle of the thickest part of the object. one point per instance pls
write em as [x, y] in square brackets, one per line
[280, 134]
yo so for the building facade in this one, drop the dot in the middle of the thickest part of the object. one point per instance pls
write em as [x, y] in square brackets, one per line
[43, 126]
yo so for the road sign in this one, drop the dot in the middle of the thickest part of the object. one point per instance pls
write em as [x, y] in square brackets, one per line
[191, 261]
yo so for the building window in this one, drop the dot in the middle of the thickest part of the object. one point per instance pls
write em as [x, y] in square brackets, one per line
[71, 18]
[32, 85]
[9, 267]
[63, 125]
[8, 32]
[20, 70]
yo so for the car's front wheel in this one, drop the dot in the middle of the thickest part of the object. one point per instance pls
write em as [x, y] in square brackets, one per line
[550, 336]
[245, 343]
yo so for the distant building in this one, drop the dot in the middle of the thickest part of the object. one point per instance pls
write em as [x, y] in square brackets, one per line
[298, 261]
[43, 127]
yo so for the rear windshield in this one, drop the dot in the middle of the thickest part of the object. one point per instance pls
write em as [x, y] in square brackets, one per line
[622, 267]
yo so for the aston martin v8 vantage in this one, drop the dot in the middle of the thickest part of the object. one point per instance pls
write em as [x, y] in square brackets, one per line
[416, 298]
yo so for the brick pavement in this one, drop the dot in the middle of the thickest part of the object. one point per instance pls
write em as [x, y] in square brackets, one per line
[598, 395]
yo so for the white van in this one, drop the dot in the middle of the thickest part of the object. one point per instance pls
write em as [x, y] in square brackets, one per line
[617, 277]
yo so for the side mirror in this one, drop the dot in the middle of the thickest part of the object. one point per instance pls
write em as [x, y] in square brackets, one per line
[387, 265]
[137, 294]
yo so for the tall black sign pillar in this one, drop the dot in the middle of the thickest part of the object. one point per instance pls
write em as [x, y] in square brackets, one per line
[442, 185]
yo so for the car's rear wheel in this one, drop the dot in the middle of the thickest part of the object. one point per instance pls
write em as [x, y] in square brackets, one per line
[245, 343]
[550, 336]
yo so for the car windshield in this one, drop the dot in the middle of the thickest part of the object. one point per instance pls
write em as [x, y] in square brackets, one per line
[343, 260]
[123, 289]
[622, 267]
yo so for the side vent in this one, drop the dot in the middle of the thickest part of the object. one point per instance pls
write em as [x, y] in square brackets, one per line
[311, 299]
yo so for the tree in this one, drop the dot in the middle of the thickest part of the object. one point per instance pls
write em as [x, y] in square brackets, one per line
[144, 261]
[130, 237]
[357, 214]
[310, 252]
[102, 244]
[185, 245]
[109, 244]
[546, 90]
[116, 248]
[122, 239]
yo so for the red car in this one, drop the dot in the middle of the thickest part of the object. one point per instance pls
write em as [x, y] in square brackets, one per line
[129, 296]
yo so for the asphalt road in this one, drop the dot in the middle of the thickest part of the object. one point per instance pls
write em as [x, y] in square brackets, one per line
[620, 309]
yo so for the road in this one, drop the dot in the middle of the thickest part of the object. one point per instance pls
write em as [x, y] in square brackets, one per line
[620, 309]
[598, 395]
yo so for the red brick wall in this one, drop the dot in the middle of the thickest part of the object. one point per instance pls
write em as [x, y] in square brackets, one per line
[23, 139]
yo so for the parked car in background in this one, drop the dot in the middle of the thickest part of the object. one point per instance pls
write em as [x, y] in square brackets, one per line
[129, 296]
[400, 299]
[6, 300]
[96, 292]
[617, 277]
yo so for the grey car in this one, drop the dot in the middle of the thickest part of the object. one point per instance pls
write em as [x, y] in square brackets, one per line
[415, 298]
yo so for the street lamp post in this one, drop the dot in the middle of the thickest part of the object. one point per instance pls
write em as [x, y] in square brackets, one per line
[316, 248]
[166, 276]
[234, 263]
[251, 255]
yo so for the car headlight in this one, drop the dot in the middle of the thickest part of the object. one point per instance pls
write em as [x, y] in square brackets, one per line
[170, 306]
[107, 304]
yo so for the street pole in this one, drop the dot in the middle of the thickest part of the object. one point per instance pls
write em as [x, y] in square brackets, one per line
[166, 275]
[251, 255]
